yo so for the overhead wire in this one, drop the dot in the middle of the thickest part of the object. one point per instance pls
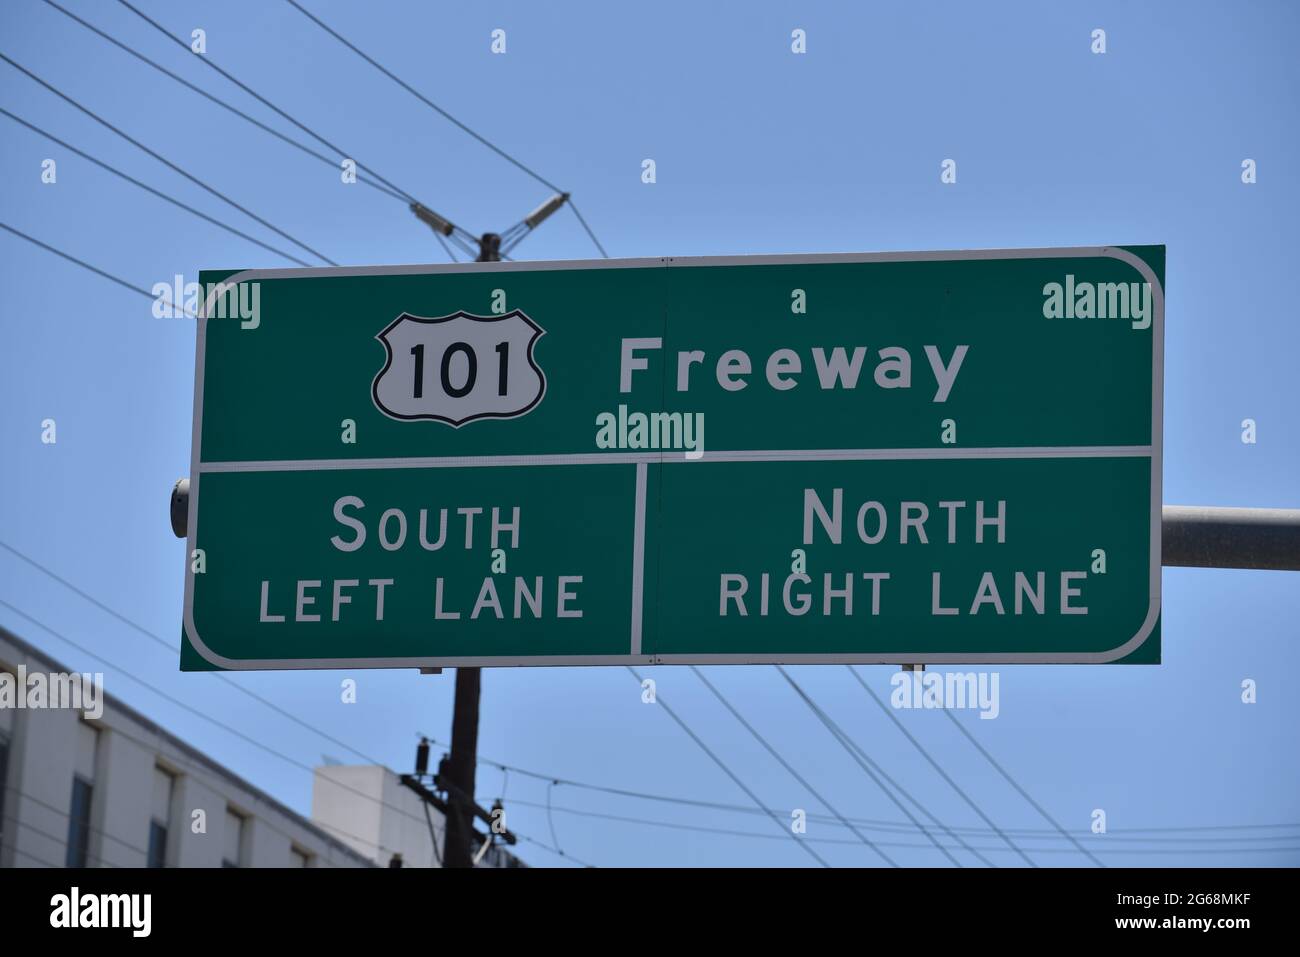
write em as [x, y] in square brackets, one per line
[388, 191]
[80, 262]
[659, 702]
[213, 65]
[1021, 791]
[449, 117]
[276, 708]
[867, 823]
[876, 824]
[875, 772]
[939, 768]
[791, 769]
[164, 160]
[156, 192]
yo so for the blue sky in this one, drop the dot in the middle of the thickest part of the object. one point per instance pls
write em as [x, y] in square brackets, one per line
[757, 151]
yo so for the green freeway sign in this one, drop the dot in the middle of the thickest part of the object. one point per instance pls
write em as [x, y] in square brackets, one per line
[896, 457]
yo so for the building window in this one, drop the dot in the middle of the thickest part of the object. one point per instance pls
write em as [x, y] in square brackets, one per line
[79, 822]
[157, 845]
[163, 784]
[233, 855]
[83, 792]
[299, 858]
[6, 730]
[4, 779]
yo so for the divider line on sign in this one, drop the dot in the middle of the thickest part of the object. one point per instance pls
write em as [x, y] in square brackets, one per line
[638, 557]
[641, 458]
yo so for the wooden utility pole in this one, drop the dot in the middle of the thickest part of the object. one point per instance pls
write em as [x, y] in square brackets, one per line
[458, 771]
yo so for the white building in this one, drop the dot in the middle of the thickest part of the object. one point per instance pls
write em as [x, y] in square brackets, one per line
[119, 791]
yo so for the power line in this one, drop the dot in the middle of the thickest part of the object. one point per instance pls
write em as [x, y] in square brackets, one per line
[867, 765]
[171, 757]
[196, 711]
[1021, 791]
[881, 825]
[186, 762]
[13, 789]
[505, 767]
[1057, 826]
[443, 113]
[219, 724]
[117, 840]
[433, 834]
[582, 219]
[624, 792]
[550, 821]
[145, 186]
[80, 262]
[211, 64]
[222, 103]
[901, 827]
[148, 634]
[938, 767]
[157, 639]
[764, 836]
[659, 701]
[786, 764]
[122, 618]
[32, 857]
[90, 858]
[445, 248]
[459, 236]
[390, 189]
[332, 829]
[386, 190]
[1108, 838]
[162, 159]
[546, 847]
[421, 97]
[172, 699]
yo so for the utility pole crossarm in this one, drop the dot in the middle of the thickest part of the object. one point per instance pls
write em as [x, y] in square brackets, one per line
[413, 782]
[454, 793]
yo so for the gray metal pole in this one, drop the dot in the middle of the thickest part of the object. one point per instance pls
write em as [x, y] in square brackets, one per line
[1199, 536]
[1194, 536]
